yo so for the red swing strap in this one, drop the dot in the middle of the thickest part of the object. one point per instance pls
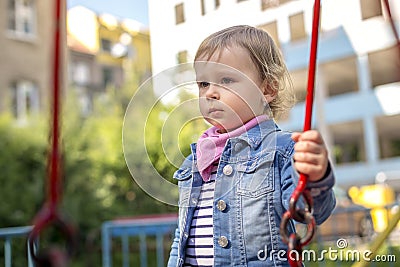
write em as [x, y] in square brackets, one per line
[294, 241]
[392, 24]
[49, 214]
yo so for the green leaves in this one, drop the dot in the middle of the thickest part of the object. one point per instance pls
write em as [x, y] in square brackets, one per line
[96, 184]
[22, 165]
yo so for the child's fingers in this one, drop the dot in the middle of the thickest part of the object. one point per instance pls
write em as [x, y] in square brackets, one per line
[314, 172]
[310, 154]
[309, 158]
[311, 135]
[296, 136]
[308, 147]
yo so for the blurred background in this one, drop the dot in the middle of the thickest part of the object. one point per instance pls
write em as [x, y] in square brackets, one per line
[111, 48]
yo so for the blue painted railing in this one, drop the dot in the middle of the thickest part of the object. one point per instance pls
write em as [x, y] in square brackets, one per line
[141, 233]
[149, 226]
[8, 234]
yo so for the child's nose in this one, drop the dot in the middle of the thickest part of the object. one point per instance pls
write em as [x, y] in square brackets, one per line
[212, 92]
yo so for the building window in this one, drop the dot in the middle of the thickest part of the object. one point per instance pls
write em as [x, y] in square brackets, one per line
[347, 152]
[272, 29]
[384, 66]
[341, 76]
[179, 14]
[297, 29]
[265, 4]
[108, 77]
[25, 99]
[349, 142]
[106, 45]
[21, 17]
[389, 136]
[80, 73]
[299, 80]
[217, 4]
[203, 7]
[370, 9]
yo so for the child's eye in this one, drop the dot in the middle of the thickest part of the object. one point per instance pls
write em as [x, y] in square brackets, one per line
[203, 84]
[226, 80]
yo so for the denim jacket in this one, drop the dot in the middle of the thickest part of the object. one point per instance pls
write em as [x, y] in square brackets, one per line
[254, 181]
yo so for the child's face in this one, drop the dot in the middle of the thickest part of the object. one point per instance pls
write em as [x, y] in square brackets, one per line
[230, 88]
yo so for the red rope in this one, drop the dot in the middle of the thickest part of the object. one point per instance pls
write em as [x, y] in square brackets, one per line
[312, 66]
[55, 158]
[310, 86]
[295, 242]
[49, 210]
[49, 214]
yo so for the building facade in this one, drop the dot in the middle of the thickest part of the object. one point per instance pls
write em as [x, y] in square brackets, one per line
[26, 41]
[358, 76]
[105, 51]
[98, 51]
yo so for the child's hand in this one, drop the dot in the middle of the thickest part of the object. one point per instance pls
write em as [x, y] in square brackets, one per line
[310, 154]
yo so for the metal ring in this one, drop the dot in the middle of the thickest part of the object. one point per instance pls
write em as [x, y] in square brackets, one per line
[295, 244]
[309, 218]
[283, 227]
[297, 213]
[49, 219]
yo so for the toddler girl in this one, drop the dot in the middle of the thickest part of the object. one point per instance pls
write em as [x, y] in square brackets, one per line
[236, 184]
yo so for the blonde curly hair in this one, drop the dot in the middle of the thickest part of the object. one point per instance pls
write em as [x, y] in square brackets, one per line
[264, 54]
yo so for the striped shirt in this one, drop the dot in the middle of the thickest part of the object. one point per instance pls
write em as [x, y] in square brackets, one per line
[199, 250]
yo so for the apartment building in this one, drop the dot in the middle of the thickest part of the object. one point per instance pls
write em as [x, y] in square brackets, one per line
[357, 106]
[104, 51]
[26, 41]
[99, 50]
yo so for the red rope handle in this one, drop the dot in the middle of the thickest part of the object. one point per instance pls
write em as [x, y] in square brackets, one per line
[312, 66]
[49, 210]
[295, 242]
[55, 157]
[49, 214]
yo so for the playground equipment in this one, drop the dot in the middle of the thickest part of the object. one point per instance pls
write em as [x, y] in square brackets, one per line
[376, 197]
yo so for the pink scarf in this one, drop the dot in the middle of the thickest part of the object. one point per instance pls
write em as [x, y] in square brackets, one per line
[211, 144]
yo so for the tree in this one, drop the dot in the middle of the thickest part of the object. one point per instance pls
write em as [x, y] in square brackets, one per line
[97, 184]
[22, 165]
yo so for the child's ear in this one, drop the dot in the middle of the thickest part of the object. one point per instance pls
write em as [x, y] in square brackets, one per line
[269, 91]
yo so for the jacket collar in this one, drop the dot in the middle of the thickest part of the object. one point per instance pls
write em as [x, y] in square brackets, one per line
[256, 135]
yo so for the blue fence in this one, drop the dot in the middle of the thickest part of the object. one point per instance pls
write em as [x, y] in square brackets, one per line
[8, 234]
[143, 227]
[145, 241]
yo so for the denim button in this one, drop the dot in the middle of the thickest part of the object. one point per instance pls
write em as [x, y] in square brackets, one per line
[221, 205]
[223, 241]
[194, 201]
[227, 170]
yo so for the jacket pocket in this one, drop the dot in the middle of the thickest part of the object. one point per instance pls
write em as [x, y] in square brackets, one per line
[256, 176]
[184, 177]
